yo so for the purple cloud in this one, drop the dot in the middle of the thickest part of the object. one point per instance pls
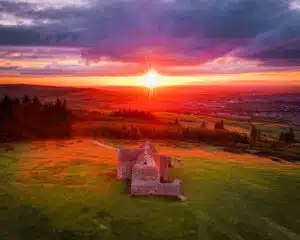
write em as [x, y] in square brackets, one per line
[164, 33]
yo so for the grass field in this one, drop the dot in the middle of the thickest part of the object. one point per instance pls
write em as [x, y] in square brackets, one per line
[93, 121]
[67, 190]
[270, 130]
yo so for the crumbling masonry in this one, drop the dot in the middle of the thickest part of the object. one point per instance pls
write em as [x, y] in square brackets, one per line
[148, 172]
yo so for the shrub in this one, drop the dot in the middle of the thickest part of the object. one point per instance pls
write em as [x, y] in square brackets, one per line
[219, 125]
[172, 133]
[287, 137]
[128, 113]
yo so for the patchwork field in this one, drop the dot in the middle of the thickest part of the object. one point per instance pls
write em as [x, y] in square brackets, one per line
[93, 120]
[67, 190]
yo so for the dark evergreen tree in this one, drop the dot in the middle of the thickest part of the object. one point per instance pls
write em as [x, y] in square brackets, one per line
[58, 103]
[282, 137]
[222, 124]
[36, 101]
[219, 125]
[65, 105]
[287, 137]
[258, 134]
[253, 134]
[291, 136]
[17, 101]
[20, 121]
[26, 99]
[5, 101]
[6, 107]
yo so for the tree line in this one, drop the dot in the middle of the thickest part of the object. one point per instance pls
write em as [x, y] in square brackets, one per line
[133, 113]
[172, 132]
[28, 118]
[285, 137]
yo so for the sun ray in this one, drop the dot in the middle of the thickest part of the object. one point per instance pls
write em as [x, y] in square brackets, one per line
[151, 80]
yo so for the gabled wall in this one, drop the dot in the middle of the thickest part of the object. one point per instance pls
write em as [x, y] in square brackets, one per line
[164, 163]
[126, 160]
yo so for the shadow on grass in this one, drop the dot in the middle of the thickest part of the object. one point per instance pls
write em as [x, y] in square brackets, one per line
[276, 156]
[20, 221]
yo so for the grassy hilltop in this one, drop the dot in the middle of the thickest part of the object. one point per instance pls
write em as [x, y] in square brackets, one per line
[237, 187]
[66, 189]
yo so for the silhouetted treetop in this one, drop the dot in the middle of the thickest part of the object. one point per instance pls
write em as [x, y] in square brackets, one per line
[36, 101]
[26, 99]
[129, 113]
[219, 125]
[32, 119]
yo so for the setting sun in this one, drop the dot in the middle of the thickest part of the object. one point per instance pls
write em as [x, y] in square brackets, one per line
[151, 79]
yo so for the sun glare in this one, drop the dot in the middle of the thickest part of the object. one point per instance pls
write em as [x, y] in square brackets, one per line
[151, 79]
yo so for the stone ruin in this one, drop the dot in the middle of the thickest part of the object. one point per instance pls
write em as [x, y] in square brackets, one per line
[147, 171]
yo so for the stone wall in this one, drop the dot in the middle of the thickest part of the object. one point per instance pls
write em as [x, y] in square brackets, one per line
[164, 163]
[126, 160]
[145, 173]
[169, 189]
[124, 170]
[145, 167]
[144, 188]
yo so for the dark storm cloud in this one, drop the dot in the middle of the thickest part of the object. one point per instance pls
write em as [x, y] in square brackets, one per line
[224, 19]
[18, 36]
[190, 31]
[32, 36]
[36, 12]
[287, 55]
[48, 26]
[282, 52]
[168, 32]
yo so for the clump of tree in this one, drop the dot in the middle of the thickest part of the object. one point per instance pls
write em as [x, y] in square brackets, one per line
[255, 134]
[172, 132]
[133, 113]
[177, 122]
[287, 137]
[29, 118]
[219, 125]
[214, 137]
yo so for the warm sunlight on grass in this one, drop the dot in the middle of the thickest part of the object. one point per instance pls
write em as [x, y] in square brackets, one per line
[67, 190]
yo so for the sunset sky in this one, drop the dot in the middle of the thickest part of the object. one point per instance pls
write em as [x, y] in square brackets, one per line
[98, 42]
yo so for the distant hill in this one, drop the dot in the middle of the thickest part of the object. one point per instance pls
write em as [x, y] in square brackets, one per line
[173, 98]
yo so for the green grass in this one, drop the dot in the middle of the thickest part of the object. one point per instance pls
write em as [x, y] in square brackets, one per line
[268, 129]
[65, 191]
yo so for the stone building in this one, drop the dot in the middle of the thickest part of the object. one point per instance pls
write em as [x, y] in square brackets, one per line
[147, 171]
